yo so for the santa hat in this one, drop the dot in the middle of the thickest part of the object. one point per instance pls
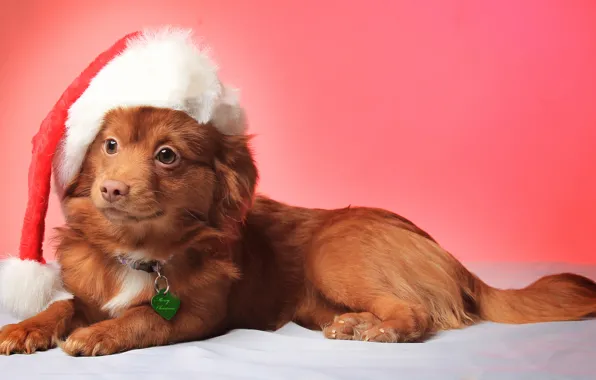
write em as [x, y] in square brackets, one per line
[162, 68]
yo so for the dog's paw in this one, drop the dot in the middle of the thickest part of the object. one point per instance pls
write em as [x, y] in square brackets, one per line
[90, 341]
[381, 334]
[25, 338]
[392, 331]
[350, 326]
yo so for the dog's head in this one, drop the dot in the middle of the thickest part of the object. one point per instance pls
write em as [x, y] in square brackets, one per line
[159, 172]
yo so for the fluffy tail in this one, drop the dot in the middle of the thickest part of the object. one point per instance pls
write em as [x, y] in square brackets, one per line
[559, 297]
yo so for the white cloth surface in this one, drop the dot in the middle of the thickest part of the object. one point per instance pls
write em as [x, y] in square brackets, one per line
[563, 350]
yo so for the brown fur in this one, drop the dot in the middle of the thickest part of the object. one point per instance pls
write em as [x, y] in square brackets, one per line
[240, 261]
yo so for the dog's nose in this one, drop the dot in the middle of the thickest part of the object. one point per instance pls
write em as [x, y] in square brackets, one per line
[112, 191]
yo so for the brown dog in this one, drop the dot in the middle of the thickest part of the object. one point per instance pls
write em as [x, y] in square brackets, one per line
[158, 190]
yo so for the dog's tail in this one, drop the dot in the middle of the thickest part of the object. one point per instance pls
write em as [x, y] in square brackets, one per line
[559, 297]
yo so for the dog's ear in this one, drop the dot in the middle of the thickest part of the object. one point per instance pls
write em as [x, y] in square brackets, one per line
[80, 185]
[237, 178]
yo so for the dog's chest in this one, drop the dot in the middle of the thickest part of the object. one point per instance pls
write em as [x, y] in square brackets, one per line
[132, 288]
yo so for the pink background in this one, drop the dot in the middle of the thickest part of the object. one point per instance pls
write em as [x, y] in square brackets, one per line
[476, 119]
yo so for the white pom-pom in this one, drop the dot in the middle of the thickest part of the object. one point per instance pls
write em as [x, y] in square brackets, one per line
[228, 116]
[28, 287]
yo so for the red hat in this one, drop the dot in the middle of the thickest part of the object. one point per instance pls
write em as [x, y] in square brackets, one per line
[162, 68]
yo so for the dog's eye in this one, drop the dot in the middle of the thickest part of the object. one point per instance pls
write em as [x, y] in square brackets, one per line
[166, 156]
[111, 146]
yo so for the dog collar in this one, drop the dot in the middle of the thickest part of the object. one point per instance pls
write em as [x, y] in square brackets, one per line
[152, 266]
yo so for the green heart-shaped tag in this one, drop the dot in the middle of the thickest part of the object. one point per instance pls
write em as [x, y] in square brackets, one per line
[165, 304]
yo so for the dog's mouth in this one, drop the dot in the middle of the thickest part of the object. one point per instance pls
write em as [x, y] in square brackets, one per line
[114, 214]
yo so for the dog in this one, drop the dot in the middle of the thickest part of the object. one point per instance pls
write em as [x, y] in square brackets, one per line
[165, 206]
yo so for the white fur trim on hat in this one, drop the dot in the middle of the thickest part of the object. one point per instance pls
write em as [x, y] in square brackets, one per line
[28, 287]
[163, 68]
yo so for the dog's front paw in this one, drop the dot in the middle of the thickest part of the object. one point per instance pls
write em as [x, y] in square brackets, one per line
[91, 341]
[25, 338]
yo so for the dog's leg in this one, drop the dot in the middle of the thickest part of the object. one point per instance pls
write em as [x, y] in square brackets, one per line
[370, 263]
[391, 321]
[40, 332]
[138, 327]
